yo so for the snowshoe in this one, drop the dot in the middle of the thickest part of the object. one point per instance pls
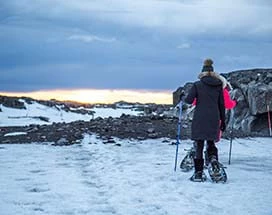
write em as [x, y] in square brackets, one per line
[187, 162]
[217, 171]
[198, 177]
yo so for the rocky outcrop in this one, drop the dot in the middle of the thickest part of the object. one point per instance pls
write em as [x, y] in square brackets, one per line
[12, 102]
[253, 91]
[125, 127]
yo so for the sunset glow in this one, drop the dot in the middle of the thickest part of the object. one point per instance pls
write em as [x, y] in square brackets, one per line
[100, 96]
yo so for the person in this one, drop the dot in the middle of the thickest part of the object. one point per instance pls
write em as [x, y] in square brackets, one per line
[209, 111]
[229, 103]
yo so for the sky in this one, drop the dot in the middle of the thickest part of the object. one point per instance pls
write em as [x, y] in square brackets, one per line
[144, 45]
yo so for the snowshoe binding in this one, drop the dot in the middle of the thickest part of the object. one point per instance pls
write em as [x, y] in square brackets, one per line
[198, 177]
[217, 171]
[187, 162]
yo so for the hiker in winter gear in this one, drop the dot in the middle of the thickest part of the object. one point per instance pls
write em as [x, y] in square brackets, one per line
[209, 111]
[229, 103]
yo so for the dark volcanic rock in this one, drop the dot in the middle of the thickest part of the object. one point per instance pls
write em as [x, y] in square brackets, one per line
[129, 127]
[12, 102]
[253, 91]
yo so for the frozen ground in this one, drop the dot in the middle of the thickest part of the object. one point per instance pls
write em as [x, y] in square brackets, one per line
[136, 178]
[22, 117]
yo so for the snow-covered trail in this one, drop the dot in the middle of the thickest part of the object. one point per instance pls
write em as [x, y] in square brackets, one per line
[136, 178]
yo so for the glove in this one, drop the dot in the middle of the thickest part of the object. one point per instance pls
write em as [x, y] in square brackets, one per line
[223, 126]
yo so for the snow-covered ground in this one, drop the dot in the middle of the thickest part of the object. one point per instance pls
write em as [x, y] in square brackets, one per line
[21, 117]
[136, 178]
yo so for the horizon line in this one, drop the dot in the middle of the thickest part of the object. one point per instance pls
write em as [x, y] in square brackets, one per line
[98, 96]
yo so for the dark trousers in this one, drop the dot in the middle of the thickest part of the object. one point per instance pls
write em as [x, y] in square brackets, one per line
[211, 149]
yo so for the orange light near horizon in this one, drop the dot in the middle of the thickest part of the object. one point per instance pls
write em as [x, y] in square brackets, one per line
[99, 96]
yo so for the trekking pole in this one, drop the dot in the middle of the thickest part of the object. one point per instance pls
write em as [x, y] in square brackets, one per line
[269, 121]
[178, 134]
[268, 116]
[231, 134]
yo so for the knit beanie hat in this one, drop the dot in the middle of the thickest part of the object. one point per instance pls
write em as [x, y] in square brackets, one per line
[207, 67]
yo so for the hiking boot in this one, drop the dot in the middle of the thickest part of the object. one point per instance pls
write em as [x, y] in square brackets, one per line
[215, 165]
[198, 177]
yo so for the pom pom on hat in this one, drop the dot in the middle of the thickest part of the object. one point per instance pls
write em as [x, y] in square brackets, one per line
[208, 62]
[208, 65]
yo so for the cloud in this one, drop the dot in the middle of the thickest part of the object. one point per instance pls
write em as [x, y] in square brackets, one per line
[184, 46]
[204, 16]
[154, 44]
[91, 38]
[187, 17]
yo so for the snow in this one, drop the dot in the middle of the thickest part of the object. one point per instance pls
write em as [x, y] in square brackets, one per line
[15, 134]
[135, 178]
[107, 112]
[22, 117]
